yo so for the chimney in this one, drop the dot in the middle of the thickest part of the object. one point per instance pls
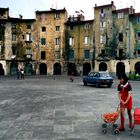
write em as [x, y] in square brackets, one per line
[112, 2]
[20, 16]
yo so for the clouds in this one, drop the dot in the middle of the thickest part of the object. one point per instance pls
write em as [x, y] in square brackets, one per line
[28, 7]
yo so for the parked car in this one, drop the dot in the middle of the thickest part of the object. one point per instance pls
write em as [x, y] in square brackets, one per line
[98, 79]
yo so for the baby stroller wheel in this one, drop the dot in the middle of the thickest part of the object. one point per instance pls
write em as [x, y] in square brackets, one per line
[116, 131]
[104, 130]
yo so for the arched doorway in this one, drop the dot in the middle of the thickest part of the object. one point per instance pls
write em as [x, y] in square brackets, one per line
[1, 69]
[13, 68]
[71, 69]
[28, 69]
[86, 68]
[43, 69]
[57, 69]
[102, 66]
[120, 69]
[137, 68]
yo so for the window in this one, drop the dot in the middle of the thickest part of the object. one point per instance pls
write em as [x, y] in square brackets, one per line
[87, 26]
[103, 52]
[57, 55]
[13, 25]
[57, 15]
[28, 37]
[120, 37]
[71, 54]
[138, 53]
[43, 41]
[120, 15]
[70, 27]
[71, 41]
[28, 26]
[43, 17]
[87, 40]
[137, 19]
[102, 24]
[103, 39]
[57, 28]
[13, 37]
[120, 52]
[43, 55]
[57, 41]
[43, 29]
[28, 51]
[14, 50]
[86, 54]
[102, 14]
[138, 36]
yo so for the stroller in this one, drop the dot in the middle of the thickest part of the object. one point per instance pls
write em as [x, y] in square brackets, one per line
[109, 120]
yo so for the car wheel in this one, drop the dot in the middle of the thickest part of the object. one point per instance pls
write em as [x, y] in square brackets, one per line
[85, 83]
[109, 85]
[97, 85]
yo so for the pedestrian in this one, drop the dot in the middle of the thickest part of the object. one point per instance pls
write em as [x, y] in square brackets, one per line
[17, 73]
[125, 97]
[71, 76]
[22, 73]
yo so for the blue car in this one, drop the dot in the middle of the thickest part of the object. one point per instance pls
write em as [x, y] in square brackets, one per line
[98, 79]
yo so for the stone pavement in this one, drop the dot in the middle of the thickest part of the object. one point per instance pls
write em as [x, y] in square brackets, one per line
[53, 108]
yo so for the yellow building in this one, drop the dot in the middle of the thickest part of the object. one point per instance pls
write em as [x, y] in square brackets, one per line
[79, 45]
[50, 41]
[113, 46]
[16, 44]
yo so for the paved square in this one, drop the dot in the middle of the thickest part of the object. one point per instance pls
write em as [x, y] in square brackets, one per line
[53, 108]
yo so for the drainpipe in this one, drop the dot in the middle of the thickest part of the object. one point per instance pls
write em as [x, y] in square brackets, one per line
[129, 38]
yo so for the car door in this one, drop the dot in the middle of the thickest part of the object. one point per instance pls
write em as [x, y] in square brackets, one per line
[90, 77]
[95, 78]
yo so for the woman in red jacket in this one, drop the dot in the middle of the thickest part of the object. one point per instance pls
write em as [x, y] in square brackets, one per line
[125, 97]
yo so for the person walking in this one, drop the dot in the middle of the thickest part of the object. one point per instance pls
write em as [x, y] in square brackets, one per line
[22, 73]
[125, 98]
[17, 73]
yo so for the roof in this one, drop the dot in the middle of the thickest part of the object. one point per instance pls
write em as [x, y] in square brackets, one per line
[51, 11]
[4, 9]
[107, 5]
[11, 19]
[78, 22]
[125, 10]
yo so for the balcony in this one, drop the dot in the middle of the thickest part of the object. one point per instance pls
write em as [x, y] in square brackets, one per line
[28, 41]
[28, 56]
[57, 47]
[103, 57]
[13, 57]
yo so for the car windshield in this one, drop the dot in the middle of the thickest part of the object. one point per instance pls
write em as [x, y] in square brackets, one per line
[104, 75]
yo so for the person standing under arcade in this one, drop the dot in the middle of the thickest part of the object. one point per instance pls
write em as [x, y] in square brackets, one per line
[125, 97]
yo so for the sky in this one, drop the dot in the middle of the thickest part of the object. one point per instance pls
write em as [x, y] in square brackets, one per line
[27, 8]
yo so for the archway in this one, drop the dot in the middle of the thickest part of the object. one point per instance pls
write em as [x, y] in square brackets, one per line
[120, 69]
[43, 69]
[102, 66]
[57, 69]
[28, 69]
[13, 68]
[1, 69]
[86, 68]
[137, 68]
[71, 69]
